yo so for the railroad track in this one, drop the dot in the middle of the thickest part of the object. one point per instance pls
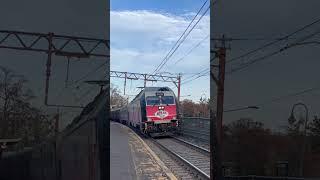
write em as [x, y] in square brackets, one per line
[194, 146]
[192, 157]
[195, 134]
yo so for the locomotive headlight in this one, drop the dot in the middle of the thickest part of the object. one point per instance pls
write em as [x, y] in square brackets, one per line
[149, 119]
[160, 107]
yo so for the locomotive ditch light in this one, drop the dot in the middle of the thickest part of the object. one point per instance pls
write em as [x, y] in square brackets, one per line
[160, 107]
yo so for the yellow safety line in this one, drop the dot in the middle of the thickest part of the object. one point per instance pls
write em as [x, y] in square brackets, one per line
[156, 158]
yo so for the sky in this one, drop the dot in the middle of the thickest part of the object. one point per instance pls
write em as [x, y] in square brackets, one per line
[64, 17]
[289, 72]
[142, 33]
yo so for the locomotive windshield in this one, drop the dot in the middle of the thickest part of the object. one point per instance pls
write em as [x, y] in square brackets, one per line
[155, 100]
[167, 100]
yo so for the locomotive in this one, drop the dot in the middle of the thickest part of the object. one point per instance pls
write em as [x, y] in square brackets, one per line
[153, 111]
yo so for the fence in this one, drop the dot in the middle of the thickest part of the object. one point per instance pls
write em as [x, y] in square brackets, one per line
[74, 154]
[196, 127]
[199, 128]
[37, 163]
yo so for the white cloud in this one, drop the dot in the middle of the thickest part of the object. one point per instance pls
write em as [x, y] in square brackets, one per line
[141, 39]
[152, 27]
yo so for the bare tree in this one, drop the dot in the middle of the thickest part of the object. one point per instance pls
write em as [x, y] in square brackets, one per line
[247, 144]
[193, 109]
[18, 118]
[116, 99]
[315, 126]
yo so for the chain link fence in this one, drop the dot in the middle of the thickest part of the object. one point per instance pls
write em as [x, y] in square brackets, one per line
[196, 127]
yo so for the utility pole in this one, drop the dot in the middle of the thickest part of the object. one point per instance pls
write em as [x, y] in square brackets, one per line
[216, 169]
[56, 131]
[179, 86]
[48, 72]
[57, 122]
[125, 83]
[145, 81]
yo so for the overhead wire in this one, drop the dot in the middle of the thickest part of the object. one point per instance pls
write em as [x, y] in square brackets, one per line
[77, 82]
[286, 96]
[286, 37]
[193, 48]
[298, 93]
[260, 48]
[271, 54]
[89, 73]
[200, 74]
[184, 36]
[181, 35]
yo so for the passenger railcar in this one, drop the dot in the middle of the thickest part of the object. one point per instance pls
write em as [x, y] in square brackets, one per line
[153, 111]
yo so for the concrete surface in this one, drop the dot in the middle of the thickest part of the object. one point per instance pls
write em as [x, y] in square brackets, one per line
[132, 159]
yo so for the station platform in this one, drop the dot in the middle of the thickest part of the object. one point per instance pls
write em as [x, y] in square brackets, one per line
[132, 159]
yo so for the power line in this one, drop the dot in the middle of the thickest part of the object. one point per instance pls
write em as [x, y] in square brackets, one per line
[204, 72]
[254, 61]
[199, 76]
[275, 41]
[181, 36]
[80, 79]
[308, 90]
[184, 36]
[195, 74]
[194, 47]
[272, 53]
[283, 97]
[251, 62]
[89, 73]
[264, 46]
[277, 52]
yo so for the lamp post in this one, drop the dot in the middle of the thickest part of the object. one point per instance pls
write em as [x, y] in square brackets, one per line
[293, 119]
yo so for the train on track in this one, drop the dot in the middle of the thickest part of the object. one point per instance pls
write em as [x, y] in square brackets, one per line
[154, 111]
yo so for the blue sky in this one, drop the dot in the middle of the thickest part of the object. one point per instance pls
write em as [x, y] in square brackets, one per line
[142, 34]
[157, 5]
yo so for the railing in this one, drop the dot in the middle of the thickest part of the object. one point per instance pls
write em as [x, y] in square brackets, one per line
[196, 127]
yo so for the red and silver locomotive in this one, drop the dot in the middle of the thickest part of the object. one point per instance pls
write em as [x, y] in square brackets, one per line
[153, 111]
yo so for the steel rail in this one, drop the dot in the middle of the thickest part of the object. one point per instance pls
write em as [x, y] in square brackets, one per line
[194, 146]
[198, 172]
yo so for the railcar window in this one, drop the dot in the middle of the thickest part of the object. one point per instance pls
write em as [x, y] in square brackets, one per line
[153, 100]
[167, 100]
